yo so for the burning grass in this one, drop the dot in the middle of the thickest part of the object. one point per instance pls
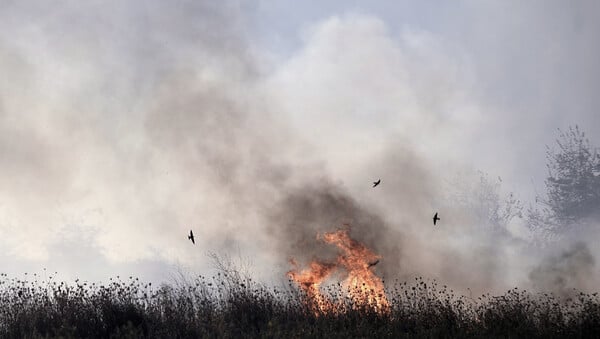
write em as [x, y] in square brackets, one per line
[362, 286]
[311, 305]
[228, 305]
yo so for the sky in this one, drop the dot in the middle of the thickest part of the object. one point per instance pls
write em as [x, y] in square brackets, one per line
[124, 124]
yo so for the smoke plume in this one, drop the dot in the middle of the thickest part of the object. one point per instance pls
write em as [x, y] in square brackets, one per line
[125, 124]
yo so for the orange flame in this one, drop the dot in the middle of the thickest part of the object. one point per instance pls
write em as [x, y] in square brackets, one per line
[363, 286]
[310, 280]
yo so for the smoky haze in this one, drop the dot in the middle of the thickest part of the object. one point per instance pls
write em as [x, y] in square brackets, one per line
[572, 268]
[123, 125]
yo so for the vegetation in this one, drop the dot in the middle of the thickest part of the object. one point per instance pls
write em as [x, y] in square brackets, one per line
[573, 182]
[229, 306]
[572, 186]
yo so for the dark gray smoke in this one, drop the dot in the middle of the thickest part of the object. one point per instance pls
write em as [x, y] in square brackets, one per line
[319, 207]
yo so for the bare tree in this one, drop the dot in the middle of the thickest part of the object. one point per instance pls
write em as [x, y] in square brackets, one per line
[483, 199]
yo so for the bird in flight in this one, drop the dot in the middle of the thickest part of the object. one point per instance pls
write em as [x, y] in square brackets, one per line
[435, 218]
[191, 237]
[375, 183]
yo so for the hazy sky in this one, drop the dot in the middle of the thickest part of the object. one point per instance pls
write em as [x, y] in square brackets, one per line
[123, 124]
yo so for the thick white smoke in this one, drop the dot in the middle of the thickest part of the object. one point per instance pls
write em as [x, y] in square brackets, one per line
[122, 126]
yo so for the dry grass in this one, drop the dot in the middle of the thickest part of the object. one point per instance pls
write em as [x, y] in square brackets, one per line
[229, 306]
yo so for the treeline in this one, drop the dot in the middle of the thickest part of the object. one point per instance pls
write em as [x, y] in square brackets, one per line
[568, 203]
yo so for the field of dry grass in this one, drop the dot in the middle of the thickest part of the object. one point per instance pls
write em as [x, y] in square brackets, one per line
[231, 306]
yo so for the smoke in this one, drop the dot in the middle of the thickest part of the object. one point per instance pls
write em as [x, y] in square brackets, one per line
[572, 269]
[122, 126]
[320, 207]
[394, 220]
[141, 113]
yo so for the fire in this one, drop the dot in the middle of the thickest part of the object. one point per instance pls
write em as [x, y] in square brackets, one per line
[361, 283]
[310, 280]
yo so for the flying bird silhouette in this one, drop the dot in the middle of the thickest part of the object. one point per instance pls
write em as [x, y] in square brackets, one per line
[373, 263]
[435, 218]
[375, 183]
[191, 237]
